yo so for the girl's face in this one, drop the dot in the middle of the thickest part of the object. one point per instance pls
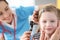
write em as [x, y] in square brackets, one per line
[5, 12]
[48, 22]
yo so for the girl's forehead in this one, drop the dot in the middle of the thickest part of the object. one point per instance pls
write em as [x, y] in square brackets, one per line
[49, 15]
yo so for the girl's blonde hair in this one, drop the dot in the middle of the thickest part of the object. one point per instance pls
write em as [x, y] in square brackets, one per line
[48, 8]
[58, 13]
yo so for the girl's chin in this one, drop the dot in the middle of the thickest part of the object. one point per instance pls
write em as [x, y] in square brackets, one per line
[49, 32]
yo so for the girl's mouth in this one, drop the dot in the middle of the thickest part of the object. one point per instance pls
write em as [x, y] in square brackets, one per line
[49, 28]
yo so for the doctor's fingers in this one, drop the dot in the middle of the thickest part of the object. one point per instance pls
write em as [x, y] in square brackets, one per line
[25, 37]
[35, 16]
[26, 34]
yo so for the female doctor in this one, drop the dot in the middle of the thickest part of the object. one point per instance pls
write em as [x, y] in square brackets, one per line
[13, 25]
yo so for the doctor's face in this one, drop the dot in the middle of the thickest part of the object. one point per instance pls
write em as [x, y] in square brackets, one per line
[5, 12]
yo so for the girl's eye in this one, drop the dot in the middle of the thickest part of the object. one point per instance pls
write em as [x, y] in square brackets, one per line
[52, 21]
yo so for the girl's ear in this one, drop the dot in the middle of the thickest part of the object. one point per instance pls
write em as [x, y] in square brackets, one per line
[58, 23]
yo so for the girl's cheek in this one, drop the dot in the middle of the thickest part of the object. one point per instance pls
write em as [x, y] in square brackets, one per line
[43, 28]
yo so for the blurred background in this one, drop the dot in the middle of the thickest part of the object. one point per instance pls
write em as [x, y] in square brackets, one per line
[17, 3]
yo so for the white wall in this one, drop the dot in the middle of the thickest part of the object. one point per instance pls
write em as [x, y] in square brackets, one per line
[37, 2]
[17, 3]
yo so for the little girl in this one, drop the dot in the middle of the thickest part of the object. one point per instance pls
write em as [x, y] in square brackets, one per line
[49, 23]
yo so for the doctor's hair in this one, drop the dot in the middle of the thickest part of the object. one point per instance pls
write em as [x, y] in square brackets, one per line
[4, 1]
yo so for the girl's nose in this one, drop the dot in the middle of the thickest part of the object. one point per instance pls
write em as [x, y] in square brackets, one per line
[48, 24]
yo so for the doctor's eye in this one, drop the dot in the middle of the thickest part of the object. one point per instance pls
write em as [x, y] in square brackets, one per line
[1, 13]
[7, 8]
[44, 21]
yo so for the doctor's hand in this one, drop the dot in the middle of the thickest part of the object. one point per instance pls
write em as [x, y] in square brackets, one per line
[35, 16]
[26, 35]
